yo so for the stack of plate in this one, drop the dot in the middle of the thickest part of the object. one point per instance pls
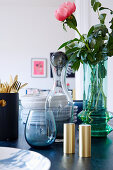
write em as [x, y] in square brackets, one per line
[59, 100]
[31, 101]
[62, 109]
[75, 109]
[63, 114]
[59, 105]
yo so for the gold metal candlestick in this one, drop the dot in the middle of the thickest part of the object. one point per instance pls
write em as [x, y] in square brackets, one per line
[69, 138]
[85, 140]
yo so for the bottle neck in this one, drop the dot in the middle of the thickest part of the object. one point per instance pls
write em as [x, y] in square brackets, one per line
[57, 78]
[59, 85]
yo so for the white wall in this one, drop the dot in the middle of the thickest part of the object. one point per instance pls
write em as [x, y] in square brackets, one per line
[87, 18]
[28, 29]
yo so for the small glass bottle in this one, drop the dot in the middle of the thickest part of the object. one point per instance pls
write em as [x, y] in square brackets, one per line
[40, 128]
[59, 100]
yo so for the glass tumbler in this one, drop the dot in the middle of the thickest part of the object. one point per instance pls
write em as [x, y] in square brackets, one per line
[40, 128]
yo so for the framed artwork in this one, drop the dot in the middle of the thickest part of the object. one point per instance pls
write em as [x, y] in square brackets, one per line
[38, 67]
[69, 73]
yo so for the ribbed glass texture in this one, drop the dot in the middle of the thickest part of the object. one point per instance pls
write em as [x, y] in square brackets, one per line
[95, 99]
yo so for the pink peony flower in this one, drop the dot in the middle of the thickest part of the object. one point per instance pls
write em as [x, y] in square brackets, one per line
[61, 14]
[65, 10]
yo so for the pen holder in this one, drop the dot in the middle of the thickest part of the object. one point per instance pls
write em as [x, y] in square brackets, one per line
[9, 108]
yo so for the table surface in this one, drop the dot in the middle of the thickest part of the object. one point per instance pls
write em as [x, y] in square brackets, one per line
[101, 150]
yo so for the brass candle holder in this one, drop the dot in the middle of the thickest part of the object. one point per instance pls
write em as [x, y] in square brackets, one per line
[85, 140]
[69, 138]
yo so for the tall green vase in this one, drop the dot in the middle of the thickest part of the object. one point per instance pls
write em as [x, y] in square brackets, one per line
[95, 99]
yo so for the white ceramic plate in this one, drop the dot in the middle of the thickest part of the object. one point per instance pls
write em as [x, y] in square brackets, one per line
[18, 159]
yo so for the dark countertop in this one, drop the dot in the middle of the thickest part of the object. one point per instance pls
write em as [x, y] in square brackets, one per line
[101, 159]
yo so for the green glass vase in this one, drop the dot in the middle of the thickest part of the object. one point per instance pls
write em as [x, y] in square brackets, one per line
[95, 99]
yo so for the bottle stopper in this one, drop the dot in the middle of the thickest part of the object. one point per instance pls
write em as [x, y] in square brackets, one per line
[85, 140]
[69, 138]
[59, 59]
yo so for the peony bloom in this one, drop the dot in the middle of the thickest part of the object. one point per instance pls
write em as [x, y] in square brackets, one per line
[65, 10]
[61, 14]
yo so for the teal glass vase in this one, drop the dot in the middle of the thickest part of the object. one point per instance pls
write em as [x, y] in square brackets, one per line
[95, 99]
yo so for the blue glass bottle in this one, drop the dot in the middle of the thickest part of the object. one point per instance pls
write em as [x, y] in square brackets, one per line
[40, 128]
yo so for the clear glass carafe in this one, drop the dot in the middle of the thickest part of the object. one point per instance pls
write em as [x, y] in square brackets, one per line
[59, 100]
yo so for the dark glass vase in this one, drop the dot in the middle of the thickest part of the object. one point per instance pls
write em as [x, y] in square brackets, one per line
[95, 99]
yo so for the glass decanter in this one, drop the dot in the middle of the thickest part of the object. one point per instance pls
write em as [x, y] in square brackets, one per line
[59, 100]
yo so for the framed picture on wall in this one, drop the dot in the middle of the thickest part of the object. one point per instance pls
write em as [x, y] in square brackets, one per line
[70, 73]
[38, 67]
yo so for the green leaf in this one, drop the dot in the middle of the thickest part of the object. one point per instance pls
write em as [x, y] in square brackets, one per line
[90, 58]
[68, 42]
[96, 6]
[84, 57]
[99, 57]
[100, 30]
[70, 51]
[103, 8]
[97, 26]
[90, 31]
[72, 45]
[92, 43]
[110, 41]
[73, 57]
[110, 51]
[110, 45]
[76, 65]
[92, 2]
[102, 18]
[71, 22]
[66, 48]
[71, 25]
[64, 27]
[81, 61]
[111, 24]
[102, 72]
